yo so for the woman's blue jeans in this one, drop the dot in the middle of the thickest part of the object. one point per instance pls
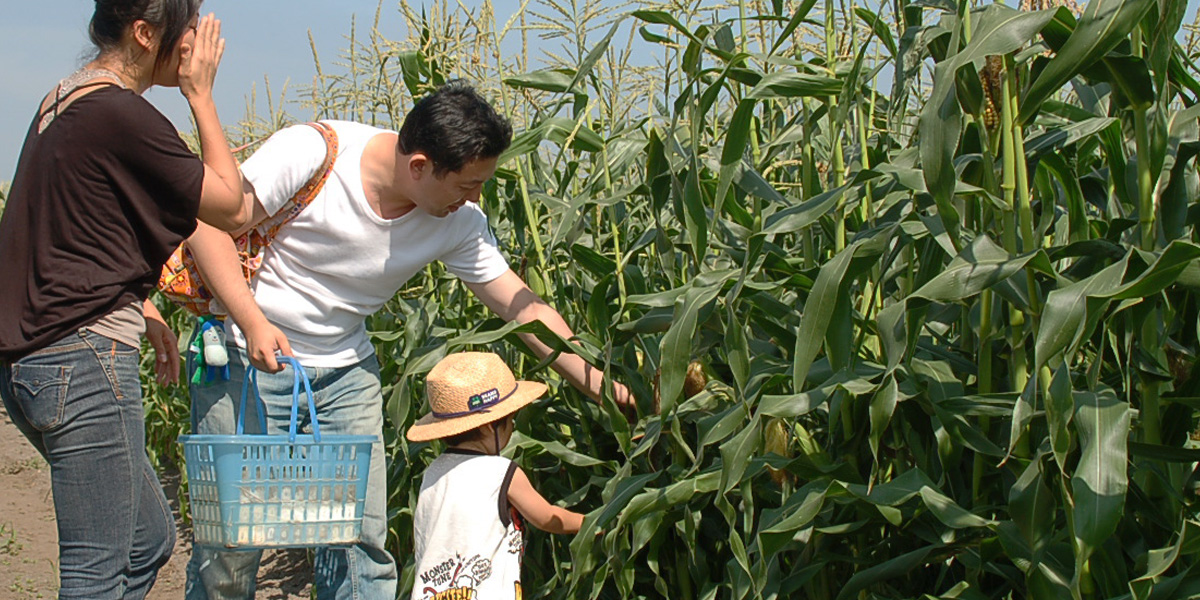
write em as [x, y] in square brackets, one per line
[79, 401]
[349, 401]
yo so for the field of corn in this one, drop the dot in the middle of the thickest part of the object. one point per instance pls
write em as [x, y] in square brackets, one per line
[907, 291]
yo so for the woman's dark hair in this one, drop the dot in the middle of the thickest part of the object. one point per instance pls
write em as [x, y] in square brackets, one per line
[170, 17]
[454, 126]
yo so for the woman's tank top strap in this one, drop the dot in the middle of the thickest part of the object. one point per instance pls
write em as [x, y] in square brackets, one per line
[81, 79]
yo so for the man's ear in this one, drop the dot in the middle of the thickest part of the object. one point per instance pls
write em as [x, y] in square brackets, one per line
[417, 165]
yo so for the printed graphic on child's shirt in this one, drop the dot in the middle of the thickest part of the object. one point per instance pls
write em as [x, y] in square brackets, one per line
[454, 579]
[516, 534]
[456, 594]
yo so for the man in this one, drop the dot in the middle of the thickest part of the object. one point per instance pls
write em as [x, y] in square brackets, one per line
[393, 203]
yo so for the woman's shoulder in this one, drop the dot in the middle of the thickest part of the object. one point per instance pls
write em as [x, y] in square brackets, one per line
[112, 98]
[118, 112]
[125, 104]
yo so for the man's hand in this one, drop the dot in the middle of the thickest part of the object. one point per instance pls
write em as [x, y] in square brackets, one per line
[164, 343]
[512, 300]
[262, 342]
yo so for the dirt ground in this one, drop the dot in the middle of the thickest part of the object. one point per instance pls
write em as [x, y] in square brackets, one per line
[29, 538]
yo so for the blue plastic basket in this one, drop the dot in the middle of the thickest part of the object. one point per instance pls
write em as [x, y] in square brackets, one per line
[277, 491]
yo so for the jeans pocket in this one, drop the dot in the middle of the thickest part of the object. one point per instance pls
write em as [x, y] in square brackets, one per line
[120, 364]
[41, 392]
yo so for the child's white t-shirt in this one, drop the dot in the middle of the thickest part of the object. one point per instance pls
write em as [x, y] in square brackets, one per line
[338, 261]
[466, 535]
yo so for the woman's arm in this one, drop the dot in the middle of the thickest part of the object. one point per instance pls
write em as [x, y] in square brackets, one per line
[164, 342]
[225, 201]
[537, 511]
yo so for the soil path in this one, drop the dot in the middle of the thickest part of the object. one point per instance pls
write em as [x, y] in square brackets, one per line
[29, 538]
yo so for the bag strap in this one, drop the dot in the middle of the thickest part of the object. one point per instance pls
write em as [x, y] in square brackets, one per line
[307, 192]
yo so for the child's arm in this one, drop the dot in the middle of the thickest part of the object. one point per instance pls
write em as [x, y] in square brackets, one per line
[537, 511]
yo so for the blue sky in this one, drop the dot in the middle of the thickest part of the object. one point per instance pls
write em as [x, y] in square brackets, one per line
[263, 37]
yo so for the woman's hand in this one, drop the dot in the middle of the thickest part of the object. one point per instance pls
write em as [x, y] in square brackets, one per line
[198, 61]
[165, 344]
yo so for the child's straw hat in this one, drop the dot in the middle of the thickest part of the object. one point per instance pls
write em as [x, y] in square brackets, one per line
[469, 389]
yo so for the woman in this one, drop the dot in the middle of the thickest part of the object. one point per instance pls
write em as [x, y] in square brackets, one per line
[104, 190]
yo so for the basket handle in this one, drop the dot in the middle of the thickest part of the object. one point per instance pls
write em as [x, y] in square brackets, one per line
[298, 375]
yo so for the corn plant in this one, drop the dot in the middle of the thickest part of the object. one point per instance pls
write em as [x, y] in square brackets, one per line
[905, 290]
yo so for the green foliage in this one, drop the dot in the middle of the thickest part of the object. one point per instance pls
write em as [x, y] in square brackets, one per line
[168, 409]
[944, 334]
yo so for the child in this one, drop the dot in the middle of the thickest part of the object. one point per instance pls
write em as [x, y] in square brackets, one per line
[468, 521]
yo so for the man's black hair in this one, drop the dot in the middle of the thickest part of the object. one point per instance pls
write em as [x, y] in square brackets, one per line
[454, 126]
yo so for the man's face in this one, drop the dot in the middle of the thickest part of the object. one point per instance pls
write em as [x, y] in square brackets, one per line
[443, 195]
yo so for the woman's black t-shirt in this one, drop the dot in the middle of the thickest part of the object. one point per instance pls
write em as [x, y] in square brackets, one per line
[99, 201]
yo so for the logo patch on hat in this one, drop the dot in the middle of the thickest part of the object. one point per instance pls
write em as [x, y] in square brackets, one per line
[484, 399]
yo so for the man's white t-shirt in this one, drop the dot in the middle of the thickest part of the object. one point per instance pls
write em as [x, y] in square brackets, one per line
[338, 261]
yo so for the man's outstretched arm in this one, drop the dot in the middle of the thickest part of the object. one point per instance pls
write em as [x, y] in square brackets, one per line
[512, 300]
